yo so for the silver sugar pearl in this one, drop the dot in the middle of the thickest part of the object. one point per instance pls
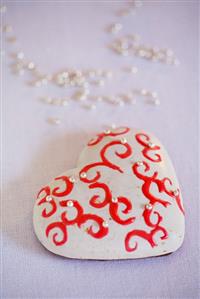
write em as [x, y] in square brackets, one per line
[108, 74]
[31, 66]
[105, 224]
[123, 140]
[133, 69]
[176, 192]
[64, 103]
[72, 179]
[107, 132]
[70, 203]
[144, 92]
[54, 121]
[83, 175]
[49, 198]
[154, 95]
[151, 144]
[114, 199]
[149, 206]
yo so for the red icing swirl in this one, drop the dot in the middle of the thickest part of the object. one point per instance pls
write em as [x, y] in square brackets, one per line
[99, 137]
[145, 141]
[105, 162]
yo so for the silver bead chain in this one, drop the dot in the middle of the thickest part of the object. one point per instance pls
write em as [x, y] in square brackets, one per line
[82, 82]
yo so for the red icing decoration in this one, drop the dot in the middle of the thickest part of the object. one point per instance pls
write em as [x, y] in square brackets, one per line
[171, 194]
[61, 226]
[144, 140]
[144, 235]
[148, 180]
[147, 214]
[77, 206]
[68, 187]
[102, 232]
[105, 162]
[140, 171]
[100, 136]
[113, 207]
[114, 211]
[51, 203]
[80, 218]
[94, 201]
[161, 184]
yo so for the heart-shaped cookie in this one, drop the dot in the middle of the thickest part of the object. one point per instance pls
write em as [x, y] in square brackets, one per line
[122, 201]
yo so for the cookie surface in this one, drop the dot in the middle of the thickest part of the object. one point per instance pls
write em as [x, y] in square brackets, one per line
[122, 201]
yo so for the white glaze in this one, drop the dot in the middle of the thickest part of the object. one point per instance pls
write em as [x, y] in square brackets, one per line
[82, 245]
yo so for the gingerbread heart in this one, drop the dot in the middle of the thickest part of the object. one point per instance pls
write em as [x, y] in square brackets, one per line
[122, 201]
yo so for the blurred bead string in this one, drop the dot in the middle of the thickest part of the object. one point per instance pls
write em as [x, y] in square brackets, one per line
[85, 84]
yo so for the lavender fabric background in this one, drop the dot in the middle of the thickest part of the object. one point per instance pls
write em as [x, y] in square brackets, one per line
[71, 34]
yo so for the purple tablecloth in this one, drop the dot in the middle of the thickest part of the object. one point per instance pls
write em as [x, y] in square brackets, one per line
[72, 34]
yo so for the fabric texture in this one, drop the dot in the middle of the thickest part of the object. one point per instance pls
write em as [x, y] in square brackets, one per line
[63, 34]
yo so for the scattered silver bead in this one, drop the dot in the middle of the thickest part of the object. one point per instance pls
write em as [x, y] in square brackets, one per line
[123, 12]
[134, 70]
[107, 74]
[105, 224]
[92, 106]
[83, 175]
[132, 46]
[49, 198]
[144, 92]
[47, 100]
[120, 103]
[140, 163]
[123, 140]
[100, 83]
[81, 79]
[107, 132]
[64, 103]
[91, 74]
[70, 204]
[151, 144]
[44, 80]
[156, 102]
[149, 206]
[72, 179]
[176, 192]
[154, 95]
[114, 199]
[37, 83]
[54, 121]
[169, 52]
[115, 28]
[99, 99]
[56, 102]
[89, 106]
[31, 66]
